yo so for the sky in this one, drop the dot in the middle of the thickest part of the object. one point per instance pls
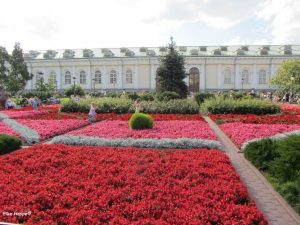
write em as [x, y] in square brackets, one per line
[78, 24]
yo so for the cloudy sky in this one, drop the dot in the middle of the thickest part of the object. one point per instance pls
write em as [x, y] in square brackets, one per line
[76, 24]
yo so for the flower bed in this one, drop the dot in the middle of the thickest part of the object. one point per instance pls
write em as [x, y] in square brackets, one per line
[13, 114]
[162, 129]
[290, 109]
[60, 184]
[4, 129]
[251, 118]
[243, 132]
[47, 129]
[111, 116]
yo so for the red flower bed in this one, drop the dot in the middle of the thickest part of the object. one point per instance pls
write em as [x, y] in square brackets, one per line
[59, 184]
[43, 107]
[111, 116]
[252, 118]
[12, 114]
[47, 129]
[290, 109]
[4, 129]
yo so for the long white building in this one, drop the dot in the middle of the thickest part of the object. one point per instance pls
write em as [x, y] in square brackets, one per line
[115, 69]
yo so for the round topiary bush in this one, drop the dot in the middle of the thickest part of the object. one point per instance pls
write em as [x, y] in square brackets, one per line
[9, 144]
[140, 121]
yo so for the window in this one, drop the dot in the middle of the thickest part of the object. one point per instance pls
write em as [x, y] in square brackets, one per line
[245, 76]
[52, 78]
[39, 76]
[82, 77]
[262, 77]
[113, 77]
[227, 76]
[68, 77]
[129, 77]
[98, 77]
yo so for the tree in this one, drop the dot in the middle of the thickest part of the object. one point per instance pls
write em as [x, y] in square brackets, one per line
[44, 90]
[171, 73]
[18, 74]
[287, 77]
[78, 91]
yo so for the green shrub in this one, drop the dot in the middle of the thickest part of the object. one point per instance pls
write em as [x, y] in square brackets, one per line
[113, 95]
[291, 192]
[133, 96]
[223, 106]
[200, 97]
[9, 144]
[123, 105]
[140, 121]
[167, 96]
[261, 153]
[147, 96]
[287, 165]
[78, 91]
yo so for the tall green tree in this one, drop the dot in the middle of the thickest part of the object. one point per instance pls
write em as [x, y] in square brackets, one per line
[287, 78]
[171, 73]
[18, 74]
[4, 58]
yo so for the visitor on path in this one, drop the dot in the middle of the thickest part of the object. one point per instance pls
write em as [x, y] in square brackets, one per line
[92, 113]
[35, 103]
[137, 105]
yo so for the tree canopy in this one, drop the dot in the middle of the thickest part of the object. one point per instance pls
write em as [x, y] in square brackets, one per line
[13, 70]
[287, 78]
[171, 72]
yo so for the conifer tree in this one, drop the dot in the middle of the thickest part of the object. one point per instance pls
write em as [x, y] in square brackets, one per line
[171, 73]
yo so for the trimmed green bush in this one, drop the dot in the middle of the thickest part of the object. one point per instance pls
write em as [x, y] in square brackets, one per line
[200, 97]
[244, 106]
[9, 144]
[147, 96]
[287, 165]
[168, 95]
[260, 153]
[133, 96]
[140, 121]
[123, 105]
[280, 160]
[78, 91]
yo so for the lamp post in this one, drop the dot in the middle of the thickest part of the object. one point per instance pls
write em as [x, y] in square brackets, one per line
[42, 81]
[292, 80]
[242, 84]
[94, 83]
[55, 83]
[74, 78]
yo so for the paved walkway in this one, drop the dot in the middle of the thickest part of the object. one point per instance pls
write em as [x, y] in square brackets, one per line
[270, 203]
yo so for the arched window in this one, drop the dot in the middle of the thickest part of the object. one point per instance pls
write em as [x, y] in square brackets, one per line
[67, 77]
[113, 77]
[39, 75]
[262, 78]
[52, 78]
[82, 77]
[129, 77]
[98, 77]
[227, 76]
[245, 76]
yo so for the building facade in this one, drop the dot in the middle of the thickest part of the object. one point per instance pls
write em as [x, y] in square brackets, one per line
[134, 69]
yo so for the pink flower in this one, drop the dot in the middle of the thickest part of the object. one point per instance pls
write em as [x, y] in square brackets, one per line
[162, 129]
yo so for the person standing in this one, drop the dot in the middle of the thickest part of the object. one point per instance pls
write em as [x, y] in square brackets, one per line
[35, 103]
[137, 104]
[92, 113]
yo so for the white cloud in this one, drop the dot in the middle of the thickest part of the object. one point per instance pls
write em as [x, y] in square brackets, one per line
[284, 18]
[236, 41]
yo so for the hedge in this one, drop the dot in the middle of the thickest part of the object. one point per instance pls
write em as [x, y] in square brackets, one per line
[9, 144]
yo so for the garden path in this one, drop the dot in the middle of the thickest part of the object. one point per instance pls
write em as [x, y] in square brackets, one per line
[270, 203]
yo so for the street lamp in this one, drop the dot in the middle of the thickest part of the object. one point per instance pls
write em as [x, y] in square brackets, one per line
[42, 81]
[55, 83]
[292, 80]
[74, 78]
[94, 83]
[242, 84]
